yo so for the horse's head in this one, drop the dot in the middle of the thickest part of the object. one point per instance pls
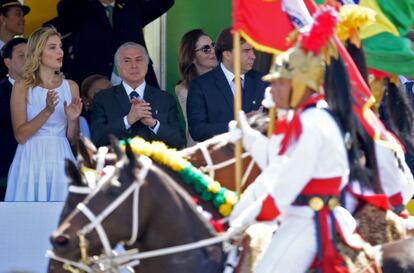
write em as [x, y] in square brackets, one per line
[107, 209]
[91, 162]
[155, 212]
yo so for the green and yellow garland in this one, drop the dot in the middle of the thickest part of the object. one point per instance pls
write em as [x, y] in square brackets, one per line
[208, 189]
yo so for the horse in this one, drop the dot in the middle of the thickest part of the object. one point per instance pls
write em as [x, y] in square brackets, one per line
[164, 216]
[214, 156]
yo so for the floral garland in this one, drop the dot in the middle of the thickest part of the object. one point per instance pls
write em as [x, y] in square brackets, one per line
[208, 189]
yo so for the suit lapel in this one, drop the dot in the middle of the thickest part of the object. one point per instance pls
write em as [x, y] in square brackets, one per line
[148, 94]
[223, 86]
[151, 97]
[122, 98]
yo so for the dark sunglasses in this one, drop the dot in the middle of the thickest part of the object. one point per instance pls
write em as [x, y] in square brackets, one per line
[206, 49]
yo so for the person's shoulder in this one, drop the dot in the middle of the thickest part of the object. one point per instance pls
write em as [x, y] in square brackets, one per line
[318, 118]
[180, 88]
[5, 82]
[159, 92]
[72, 84]
[105, 93]
[256, 75]
[208, 76]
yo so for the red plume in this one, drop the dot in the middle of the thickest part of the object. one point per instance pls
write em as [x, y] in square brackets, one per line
[321, 29]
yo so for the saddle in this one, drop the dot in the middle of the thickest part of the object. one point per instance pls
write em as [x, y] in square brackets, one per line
[378, 227]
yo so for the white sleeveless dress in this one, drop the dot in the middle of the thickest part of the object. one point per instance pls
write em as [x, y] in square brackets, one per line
[38, 169]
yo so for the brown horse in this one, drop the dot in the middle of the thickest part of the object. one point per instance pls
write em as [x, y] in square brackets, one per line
[167, 217]
[216, 158]
[177, 217]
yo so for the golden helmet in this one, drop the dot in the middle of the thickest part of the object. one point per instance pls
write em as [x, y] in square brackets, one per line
[304, 69]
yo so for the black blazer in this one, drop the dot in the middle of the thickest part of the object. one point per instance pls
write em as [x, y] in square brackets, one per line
[111, 105]
[210, 102]
[94, 41]
[8, 143]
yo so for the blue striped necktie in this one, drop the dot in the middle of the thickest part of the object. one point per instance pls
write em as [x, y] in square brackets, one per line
[134, 94]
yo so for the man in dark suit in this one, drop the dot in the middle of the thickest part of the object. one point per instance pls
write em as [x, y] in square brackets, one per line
[12, 22]
[211, 96]
[13, 53]
[134, 108]
[99, 27]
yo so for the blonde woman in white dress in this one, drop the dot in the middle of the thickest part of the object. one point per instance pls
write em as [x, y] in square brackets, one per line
[45, 115]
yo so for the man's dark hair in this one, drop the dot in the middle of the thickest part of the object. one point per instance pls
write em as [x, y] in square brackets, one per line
[8, 48]
[225, 43]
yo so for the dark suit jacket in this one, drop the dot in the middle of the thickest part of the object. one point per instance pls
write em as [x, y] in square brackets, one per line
[8, 143]
[111, 105]
[3, 68]
[210, 102]
[94, 40]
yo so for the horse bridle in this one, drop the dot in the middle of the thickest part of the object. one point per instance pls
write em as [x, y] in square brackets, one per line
[95, 221]
[210, 168]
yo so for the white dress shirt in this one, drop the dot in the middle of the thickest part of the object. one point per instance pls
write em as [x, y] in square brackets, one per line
[230, 78]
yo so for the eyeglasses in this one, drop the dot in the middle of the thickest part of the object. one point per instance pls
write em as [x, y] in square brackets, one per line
[206, 49]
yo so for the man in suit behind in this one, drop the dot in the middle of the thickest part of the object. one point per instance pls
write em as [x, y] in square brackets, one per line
[99, 27]
[13, 53]
[12, 22]
[211, 96]
[133, 108]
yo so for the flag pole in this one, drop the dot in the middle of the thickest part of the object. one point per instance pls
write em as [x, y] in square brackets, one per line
[272, 116]
[237, 108]
[272, 112]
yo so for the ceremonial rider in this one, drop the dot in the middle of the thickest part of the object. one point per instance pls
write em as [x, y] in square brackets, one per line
[307, 161]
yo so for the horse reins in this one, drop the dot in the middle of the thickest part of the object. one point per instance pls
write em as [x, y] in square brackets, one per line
[211, 167]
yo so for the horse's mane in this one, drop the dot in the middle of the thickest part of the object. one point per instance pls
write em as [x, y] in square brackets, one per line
[163, 178]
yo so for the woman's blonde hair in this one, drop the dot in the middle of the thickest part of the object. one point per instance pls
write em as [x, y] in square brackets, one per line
[35, 46]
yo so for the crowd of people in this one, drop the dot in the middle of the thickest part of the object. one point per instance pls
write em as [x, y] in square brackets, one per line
[46, 111]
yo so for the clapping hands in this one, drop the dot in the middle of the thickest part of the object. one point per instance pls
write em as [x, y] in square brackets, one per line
[141, 111]
[74, 109]
[52, 99]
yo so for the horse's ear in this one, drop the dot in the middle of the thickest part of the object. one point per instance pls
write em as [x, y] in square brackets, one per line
[73, 173]
[130, 154]
[85, 151]
[115, 147]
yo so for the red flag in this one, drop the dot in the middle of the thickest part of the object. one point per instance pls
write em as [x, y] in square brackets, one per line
[263, 24]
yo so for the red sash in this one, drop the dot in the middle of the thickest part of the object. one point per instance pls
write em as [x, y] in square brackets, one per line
[328, 260]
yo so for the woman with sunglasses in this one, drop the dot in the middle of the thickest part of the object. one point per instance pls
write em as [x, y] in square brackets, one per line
[195, 57]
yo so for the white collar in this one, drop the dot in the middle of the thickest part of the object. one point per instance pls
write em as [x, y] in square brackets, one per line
[11, 80]
[108, 5]
[229, 75]
[140, 89]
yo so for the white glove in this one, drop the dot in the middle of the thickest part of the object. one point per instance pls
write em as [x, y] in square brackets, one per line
[268, 99]
[246, 210]
[235, 132]
[249, 134]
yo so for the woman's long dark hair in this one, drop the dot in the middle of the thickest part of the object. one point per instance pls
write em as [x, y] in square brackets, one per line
[399, 114]
[186, 54]
[361, 154]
